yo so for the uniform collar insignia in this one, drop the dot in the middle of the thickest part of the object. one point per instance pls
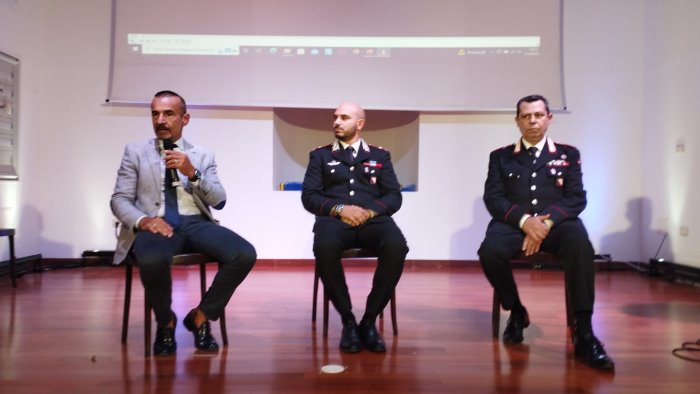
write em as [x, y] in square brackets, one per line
[549, 143]
[337, 146]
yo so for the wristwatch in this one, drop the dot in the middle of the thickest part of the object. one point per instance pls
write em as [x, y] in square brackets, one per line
[196, 177]
[338, 209]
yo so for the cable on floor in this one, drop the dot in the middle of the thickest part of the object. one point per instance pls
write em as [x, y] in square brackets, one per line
[689, 351]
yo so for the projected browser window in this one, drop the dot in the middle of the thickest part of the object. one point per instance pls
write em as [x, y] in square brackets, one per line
[222, 45]
[451, 55]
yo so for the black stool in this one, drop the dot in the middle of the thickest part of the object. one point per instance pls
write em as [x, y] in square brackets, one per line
[10, 233]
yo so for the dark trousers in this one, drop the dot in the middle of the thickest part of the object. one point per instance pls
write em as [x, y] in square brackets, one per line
[154, 255]
[380, 235]
[568, 240]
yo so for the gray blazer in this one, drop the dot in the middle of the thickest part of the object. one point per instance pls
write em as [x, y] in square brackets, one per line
[137, 191]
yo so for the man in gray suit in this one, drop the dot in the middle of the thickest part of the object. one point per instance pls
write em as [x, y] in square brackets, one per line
[165, 187]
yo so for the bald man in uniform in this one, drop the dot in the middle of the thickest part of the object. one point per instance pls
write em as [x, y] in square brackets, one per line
[352, 189]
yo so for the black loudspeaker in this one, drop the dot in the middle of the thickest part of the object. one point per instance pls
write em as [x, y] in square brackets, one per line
[654, 269]
[654, 263]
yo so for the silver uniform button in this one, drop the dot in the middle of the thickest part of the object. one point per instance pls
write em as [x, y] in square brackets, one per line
[533, 187]
[534, 202]
[352, 192]
[352, 168]
[534, 174]
[352, 181]
[333, 170]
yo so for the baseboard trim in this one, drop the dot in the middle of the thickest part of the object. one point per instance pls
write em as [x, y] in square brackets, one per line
[23, 265]
[102, 258]
[668, 270]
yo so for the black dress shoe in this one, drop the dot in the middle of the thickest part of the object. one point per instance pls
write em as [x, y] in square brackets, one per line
[371, 339]
[165, 344]
[517, 322]
[203, 340]
[589, 350]
[350, 338]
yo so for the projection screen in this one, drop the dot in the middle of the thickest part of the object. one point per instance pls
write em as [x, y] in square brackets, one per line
[425, 55]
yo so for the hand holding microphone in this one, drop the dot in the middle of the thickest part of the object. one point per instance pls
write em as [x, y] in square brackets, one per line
[171, 162]
[176, 160]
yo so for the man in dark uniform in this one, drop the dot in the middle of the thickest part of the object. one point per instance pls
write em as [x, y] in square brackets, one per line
[352, 189]
[534, 192]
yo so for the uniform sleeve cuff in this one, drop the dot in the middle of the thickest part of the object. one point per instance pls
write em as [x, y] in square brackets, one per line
[523, 219]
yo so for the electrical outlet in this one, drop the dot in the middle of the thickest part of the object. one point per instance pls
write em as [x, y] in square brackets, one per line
[680, 145]
[684, 231]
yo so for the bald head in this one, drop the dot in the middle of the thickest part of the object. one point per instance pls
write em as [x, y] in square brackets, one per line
[348, 120]
[353, 109]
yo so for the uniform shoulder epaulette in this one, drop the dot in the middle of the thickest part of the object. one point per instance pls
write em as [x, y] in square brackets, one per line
[506, 147]
[565, 145]
[378, 147]
[321, 147]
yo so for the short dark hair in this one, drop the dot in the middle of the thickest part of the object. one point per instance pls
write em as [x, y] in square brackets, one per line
[170, 93]
[531, 99]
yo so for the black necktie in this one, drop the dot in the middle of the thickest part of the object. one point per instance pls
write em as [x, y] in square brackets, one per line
[349, 150]
[532, 151]
[172, 216]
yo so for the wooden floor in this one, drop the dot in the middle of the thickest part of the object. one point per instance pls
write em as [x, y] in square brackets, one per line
[59, 333]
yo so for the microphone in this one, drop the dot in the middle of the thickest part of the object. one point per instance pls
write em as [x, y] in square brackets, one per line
[168, 145]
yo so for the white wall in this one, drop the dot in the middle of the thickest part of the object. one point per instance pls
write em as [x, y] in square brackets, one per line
[671, 132]
[71, 144]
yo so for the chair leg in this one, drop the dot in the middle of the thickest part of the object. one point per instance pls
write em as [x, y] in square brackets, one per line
[569, 313]
[222, 318]
[127, 301]
[394, 324]
[569, 317]
[326, 301]
[315, 296]
[202, 279]
[495, 315]
[12, 261]
[147, 328]
[222, 323]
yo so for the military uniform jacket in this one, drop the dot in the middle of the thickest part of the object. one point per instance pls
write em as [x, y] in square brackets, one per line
[368, 180]
[553, 185]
